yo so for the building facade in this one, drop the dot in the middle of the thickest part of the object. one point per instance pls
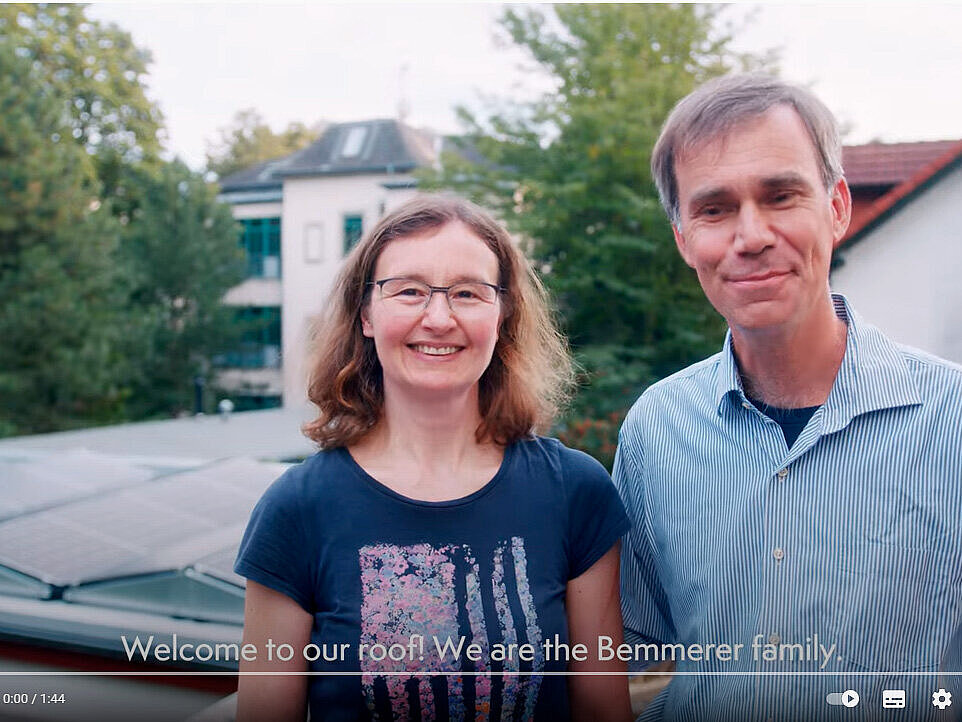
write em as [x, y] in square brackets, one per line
[300, 216]
[900, 261]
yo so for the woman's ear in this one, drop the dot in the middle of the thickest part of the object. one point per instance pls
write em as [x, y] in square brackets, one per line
[366, 327]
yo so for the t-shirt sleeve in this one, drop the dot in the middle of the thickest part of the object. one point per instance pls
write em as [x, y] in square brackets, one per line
[597, 518]
[273, 551]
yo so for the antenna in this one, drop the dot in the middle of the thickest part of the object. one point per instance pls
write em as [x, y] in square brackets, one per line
[403, 104]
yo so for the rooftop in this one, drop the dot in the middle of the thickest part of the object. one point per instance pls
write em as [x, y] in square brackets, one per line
[889, 163]
[367, 146]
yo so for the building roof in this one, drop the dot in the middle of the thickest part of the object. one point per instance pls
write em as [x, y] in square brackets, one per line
[260, 176]
[113, 542]
[363, 147]
[269, 434]
[889, 163]
[908, 168]
[366, 146]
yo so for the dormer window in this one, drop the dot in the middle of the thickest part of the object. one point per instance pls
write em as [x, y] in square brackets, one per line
[354, 142]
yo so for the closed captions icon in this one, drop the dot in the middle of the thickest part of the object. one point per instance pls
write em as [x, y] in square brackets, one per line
[893, 698]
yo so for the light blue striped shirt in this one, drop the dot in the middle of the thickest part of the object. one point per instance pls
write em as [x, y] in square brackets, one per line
[842, 554]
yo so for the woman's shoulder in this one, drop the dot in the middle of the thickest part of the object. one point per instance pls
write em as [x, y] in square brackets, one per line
[316, 476]
[570, 465]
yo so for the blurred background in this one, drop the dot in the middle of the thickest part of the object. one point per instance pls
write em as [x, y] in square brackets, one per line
[179, 184]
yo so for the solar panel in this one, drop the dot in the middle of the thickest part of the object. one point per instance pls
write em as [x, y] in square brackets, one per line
[180, 594]
[31, 484]
[167, 523]
[220, 565]
[19, 585]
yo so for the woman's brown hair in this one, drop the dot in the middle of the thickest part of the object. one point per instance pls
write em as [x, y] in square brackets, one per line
[530, 374]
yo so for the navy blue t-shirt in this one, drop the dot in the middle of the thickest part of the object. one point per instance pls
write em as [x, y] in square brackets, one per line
[384, 575]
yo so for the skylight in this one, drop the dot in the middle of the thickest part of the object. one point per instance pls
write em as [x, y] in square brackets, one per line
[354, 141]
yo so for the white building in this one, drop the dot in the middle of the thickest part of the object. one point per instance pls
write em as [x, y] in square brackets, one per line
[301, 214]
[901, 259]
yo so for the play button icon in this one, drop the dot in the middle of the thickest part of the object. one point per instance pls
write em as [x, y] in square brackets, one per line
[848, 698]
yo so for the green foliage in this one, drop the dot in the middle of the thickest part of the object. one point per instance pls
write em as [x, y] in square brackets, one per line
[97, 74]
[570, 173]
[112, 263]
[182, 253]
[59, 322]
[249, 140]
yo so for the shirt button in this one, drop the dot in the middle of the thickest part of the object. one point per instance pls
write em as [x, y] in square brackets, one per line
[774, 639]
[746, 405]
[782, 473]
[778, 553]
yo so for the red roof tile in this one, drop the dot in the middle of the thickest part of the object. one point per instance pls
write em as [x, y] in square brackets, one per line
[889, 163]
[950, 151]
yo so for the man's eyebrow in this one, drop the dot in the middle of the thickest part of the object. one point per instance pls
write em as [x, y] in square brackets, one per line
[785, 180]
[716, 194]
[709, 195]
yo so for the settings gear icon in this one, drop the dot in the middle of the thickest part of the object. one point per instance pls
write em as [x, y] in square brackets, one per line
[941, 699]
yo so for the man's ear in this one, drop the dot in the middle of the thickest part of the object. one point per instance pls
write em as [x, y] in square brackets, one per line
[681, 243]
[841, 211]
[366, 327]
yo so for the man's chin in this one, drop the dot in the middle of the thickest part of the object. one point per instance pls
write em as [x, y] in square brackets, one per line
[763, 315]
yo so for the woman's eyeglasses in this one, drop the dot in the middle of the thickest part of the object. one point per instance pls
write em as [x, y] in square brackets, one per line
[411, 296]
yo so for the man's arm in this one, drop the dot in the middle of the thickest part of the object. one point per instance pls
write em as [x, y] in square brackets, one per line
[644, 603]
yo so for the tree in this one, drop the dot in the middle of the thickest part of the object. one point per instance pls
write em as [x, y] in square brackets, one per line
[97, 73]
[570, 173]
[182, 250]
[112, 262]
[249, 140]
[59, 319]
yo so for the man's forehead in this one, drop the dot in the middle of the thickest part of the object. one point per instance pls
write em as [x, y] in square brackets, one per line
[765, 151]
[717, 145]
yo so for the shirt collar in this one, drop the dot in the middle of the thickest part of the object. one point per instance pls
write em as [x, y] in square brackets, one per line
[873, 374]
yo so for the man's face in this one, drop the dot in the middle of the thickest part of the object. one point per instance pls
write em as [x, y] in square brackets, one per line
[757, 224]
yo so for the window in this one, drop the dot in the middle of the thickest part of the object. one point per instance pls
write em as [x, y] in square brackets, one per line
[261, 239]
[255, 402]
[260, 346]
[353, 230]
[353, 142]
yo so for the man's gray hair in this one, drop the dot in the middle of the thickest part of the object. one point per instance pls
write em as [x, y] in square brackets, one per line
[715, 108]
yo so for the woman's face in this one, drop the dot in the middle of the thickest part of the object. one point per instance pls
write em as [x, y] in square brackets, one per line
[433, 350]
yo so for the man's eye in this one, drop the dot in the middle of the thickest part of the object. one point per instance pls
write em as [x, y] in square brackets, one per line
[711, 211]
[782, 197]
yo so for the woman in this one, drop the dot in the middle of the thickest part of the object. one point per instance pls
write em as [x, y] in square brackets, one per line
[434, 539]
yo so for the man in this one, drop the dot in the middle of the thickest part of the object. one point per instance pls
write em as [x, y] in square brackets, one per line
[795, 499]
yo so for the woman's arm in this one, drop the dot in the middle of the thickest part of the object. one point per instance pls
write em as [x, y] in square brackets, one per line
[594, 610]
[271, 615]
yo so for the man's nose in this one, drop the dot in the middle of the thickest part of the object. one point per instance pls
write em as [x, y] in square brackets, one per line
[753, 233]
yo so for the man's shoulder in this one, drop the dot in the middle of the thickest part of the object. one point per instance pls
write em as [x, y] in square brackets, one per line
[936, 377]
[925, 362]
[695, 384]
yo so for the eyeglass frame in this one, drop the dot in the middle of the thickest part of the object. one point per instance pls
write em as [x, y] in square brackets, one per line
[436, 289]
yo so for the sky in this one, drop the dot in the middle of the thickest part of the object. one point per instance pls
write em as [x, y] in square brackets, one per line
[889, 71]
